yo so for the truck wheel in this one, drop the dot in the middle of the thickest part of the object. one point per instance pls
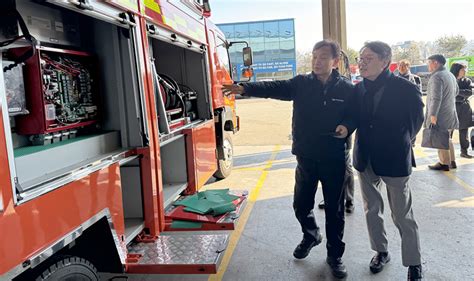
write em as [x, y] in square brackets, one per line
[70, 268]
[224, 166]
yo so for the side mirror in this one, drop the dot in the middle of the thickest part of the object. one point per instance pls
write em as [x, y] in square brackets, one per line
[247, 56]
[247, 73]
[206, 8]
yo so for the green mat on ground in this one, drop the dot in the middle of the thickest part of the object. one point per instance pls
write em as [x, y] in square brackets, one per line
[209, 202]
[185, 224]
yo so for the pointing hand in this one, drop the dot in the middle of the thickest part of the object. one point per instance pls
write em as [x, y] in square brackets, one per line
[232, 89]
[341, 132]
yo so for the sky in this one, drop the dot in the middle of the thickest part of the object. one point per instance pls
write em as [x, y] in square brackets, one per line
[392, 21]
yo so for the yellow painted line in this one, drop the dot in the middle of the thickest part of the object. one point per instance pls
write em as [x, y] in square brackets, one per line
[459, 181]
[450, 175]
[420, 153]
[262, 167]
[467, 202]
[234, 239]
[421, 168]
[250, 169]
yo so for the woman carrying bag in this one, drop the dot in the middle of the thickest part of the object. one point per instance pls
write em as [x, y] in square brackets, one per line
[463, 108]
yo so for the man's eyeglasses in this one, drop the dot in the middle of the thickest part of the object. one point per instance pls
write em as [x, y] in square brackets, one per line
[364, 60]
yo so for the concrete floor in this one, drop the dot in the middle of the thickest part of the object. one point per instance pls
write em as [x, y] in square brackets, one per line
[262, 245]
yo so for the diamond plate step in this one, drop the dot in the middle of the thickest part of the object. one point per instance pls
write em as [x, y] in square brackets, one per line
[179, 252]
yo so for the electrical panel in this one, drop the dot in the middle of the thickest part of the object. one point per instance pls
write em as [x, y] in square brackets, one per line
[61, 94]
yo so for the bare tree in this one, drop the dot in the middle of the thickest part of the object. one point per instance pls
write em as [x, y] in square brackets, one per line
[409, 52]
[450, 46]
[468, 50]
[426, 49]
[303, 62]
[352, 55]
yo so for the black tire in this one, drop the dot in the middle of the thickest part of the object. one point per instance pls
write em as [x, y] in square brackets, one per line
[70, 269]
[224, 166]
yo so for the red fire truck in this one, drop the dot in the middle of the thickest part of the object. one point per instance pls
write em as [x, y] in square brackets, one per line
[111, 110]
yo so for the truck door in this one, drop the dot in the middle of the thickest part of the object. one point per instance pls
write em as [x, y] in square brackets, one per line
[85, 109]
[178, 53]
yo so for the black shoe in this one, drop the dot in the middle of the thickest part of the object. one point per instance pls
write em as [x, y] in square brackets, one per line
[349, 207]
[338, 268]
[305, 246]
[464, 154]
[321, 205]
[379, 261]
[415, 273]
[439, 167]
[453, 165]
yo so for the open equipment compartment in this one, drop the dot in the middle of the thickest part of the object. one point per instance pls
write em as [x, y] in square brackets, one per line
[102, 92]
[184, 103]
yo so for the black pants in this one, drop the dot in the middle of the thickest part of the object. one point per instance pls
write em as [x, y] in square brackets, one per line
[463, 139]
[348, 184]
[331, 175]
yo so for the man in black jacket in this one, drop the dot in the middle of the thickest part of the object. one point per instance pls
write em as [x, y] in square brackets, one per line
[324, 115]
[391, 114]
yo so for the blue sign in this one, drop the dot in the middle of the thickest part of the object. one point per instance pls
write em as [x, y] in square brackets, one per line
[272, 43]
[274, 66]
[265, 67]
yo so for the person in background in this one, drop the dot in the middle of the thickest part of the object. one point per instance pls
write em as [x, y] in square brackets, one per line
[441, 107]
[324, 115]
[404, 72]
[391, 114]
[348, 180]
[463, 107]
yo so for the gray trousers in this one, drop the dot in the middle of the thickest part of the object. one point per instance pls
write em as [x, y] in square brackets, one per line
[399, 198]
[446, 156]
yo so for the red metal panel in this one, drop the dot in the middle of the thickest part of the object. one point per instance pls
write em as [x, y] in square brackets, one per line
[191, 164]
[203, 227]
[154, 204]
[201, 155]
[150, 200]
[6, 192]
[172, 269]
[34, 225]
[205, 152]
